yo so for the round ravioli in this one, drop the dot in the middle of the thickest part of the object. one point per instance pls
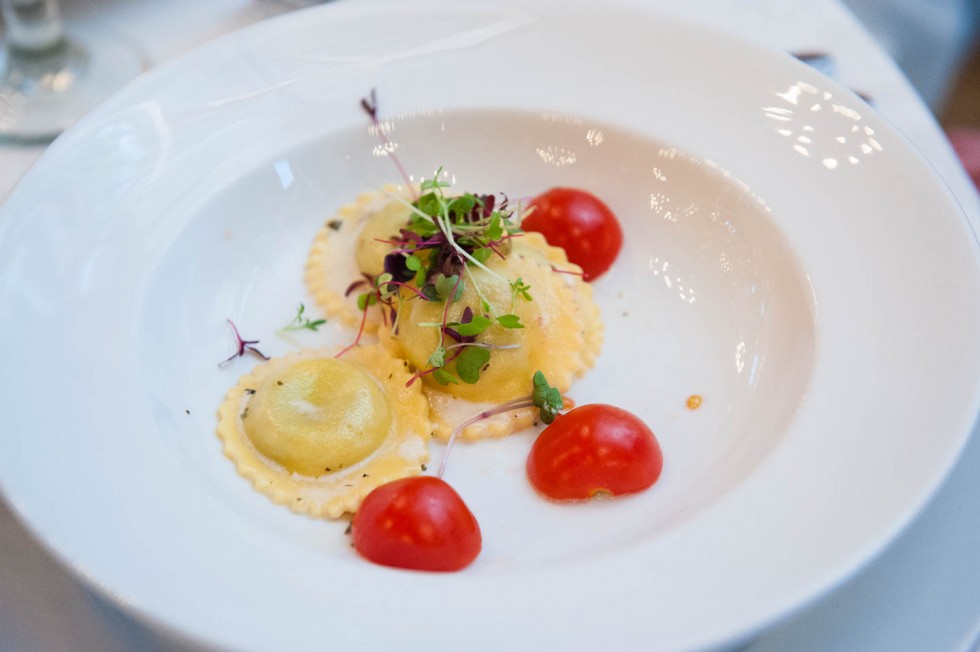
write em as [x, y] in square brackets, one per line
[349, 248]
[318, 433]
[562, 336]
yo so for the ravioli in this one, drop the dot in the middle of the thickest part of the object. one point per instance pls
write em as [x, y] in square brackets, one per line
[349, 247]
[318, 433]
[562, 337]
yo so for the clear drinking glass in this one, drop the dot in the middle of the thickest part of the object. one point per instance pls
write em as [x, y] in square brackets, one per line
[49, 79]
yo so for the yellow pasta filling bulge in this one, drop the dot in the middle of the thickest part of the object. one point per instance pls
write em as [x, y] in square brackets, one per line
[318, 415]
[550, 318]
[373, 241]
[349, 245]
[317, 433]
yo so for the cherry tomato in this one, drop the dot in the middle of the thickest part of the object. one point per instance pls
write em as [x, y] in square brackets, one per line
[593, 450]
[419, 523]
[581, 224]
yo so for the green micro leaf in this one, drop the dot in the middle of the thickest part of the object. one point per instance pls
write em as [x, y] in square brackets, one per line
[443, 377]
[470, 362]
[519, 288]
[482, 254]
[382, 282]
[430, 204]
[546, 398]
[382, 279]
[461, 206]
[434, 183]
[414, 264]
[495, 230]
[445, 286]
[438, 357]
[423, 227]
[365, 300]
[477, 325]
[510, 321]
[429, 292]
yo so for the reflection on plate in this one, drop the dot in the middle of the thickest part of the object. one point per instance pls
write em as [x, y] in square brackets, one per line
[771, 266]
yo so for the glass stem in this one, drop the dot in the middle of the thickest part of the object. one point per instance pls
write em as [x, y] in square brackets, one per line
[32, 25]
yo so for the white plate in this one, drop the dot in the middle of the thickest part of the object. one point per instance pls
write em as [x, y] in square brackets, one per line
[788, 257]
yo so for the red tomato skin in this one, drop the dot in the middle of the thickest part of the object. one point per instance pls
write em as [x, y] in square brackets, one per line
[419, 523]
[581, 224]
[592, 450]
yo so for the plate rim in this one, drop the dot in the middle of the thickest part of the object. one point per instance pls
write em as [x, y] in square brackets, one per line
[281, 23]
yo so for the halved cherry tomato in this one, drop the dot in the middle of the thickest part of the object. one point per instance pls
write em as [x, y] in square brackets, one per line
[594, 450]
[419, 523]
[581, 224]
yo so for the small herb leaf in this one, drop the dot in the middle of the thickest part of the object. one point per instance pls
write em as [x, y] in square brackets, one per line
[444, 377]
[462, 205]
[546, 398]
[510, 321]
[483, 254]
[429, 203]
[433, 183]
[429, 292]
[438, 357]
[300, 322]
[470, 362]
[495, 231]
[365, 300]
[520, 289]
[477, 325]
[449, 285]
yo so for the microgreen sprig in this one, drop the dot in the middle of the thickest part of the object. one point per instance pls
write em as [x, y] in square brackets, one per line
[370, 106]
[544, 396]
[244, 346]
[302, 323]
[433, 256]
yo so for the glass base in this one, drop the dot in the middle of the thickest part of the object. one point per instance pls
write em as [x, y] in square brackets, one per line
[43, 93]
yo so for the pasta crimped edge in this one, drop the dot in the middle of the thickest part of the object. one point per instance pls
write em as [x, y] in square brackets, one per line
[402, 453]
[327, 291]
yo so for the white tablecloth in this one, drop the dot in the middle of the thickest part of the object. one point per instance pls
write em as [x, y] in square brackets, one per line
[923, 593]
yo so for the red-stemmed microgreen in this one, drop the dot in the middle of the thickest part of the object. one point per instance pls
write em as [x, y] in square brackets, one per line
[409, 288]
[457, 229]
[370, 106]
[567, 271]
[244, 346]
[543, 396]
[433, 257]
[360, 331]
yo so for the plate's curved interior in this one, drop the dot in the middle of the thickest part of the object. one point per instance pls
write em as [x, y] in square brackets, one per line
[773, 265]
[706, 299]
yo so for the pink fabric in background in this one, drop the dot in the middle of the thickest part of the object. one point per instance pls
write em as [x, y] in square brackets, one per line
[966, 142]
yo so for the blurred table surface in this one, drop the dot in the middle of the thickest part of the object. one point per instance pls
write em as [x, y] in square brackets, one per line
[922, 593]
